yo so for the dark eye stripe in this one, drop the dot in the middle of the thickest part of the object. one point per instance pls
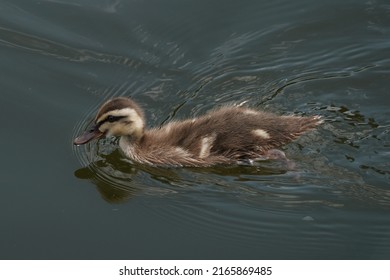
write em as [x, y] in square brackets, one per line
[110, 119]
[113, 118]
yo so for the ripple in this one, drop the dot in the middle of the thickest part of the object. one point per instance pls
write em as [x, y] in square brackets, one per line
[246, 201]
[341, 168]
[234, 72]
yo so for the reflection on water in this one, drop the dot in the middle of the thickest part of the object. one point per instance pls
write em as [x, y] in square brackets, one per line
[118, 180]
[240, 198]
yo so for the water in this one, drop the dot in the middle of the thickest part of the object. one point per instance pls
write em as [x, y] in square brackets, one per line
[178, 59]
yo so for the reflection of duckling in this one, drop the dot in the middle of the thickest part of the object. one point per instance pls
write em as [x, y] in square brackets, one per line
[224, 136]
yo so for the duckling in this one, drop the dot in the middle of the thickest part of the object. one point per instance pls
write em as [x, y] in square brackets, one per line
[227, 135]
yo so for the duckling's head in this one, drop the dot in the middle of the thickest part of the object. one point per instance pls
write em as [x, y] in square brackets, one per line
[117, 117]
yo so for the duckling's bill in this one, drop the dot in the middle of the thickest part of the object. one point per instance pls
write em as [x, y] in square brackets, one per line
[87, 136]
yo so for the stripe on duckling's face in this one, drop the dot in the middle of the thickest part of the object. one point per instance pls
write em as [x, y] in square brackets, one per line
[121, 122]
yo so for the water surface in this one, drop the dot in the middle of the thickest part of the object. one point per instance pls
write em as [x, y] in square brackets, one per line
[178, 59]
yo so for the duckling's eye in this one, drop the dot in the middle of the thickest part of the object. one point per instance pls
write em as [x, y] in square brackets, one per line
[113, 118]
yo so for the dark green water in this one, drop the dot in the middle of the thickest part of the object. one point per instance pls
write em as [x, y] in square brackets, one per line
[178, 58]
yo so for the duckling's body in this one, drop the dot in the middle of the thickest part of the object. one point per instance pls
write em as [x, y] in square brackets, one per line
[224, 136]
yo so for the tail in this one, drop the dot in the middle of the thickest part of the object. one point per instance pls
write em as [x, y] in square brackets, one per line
[311, 122]
[296, 126]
